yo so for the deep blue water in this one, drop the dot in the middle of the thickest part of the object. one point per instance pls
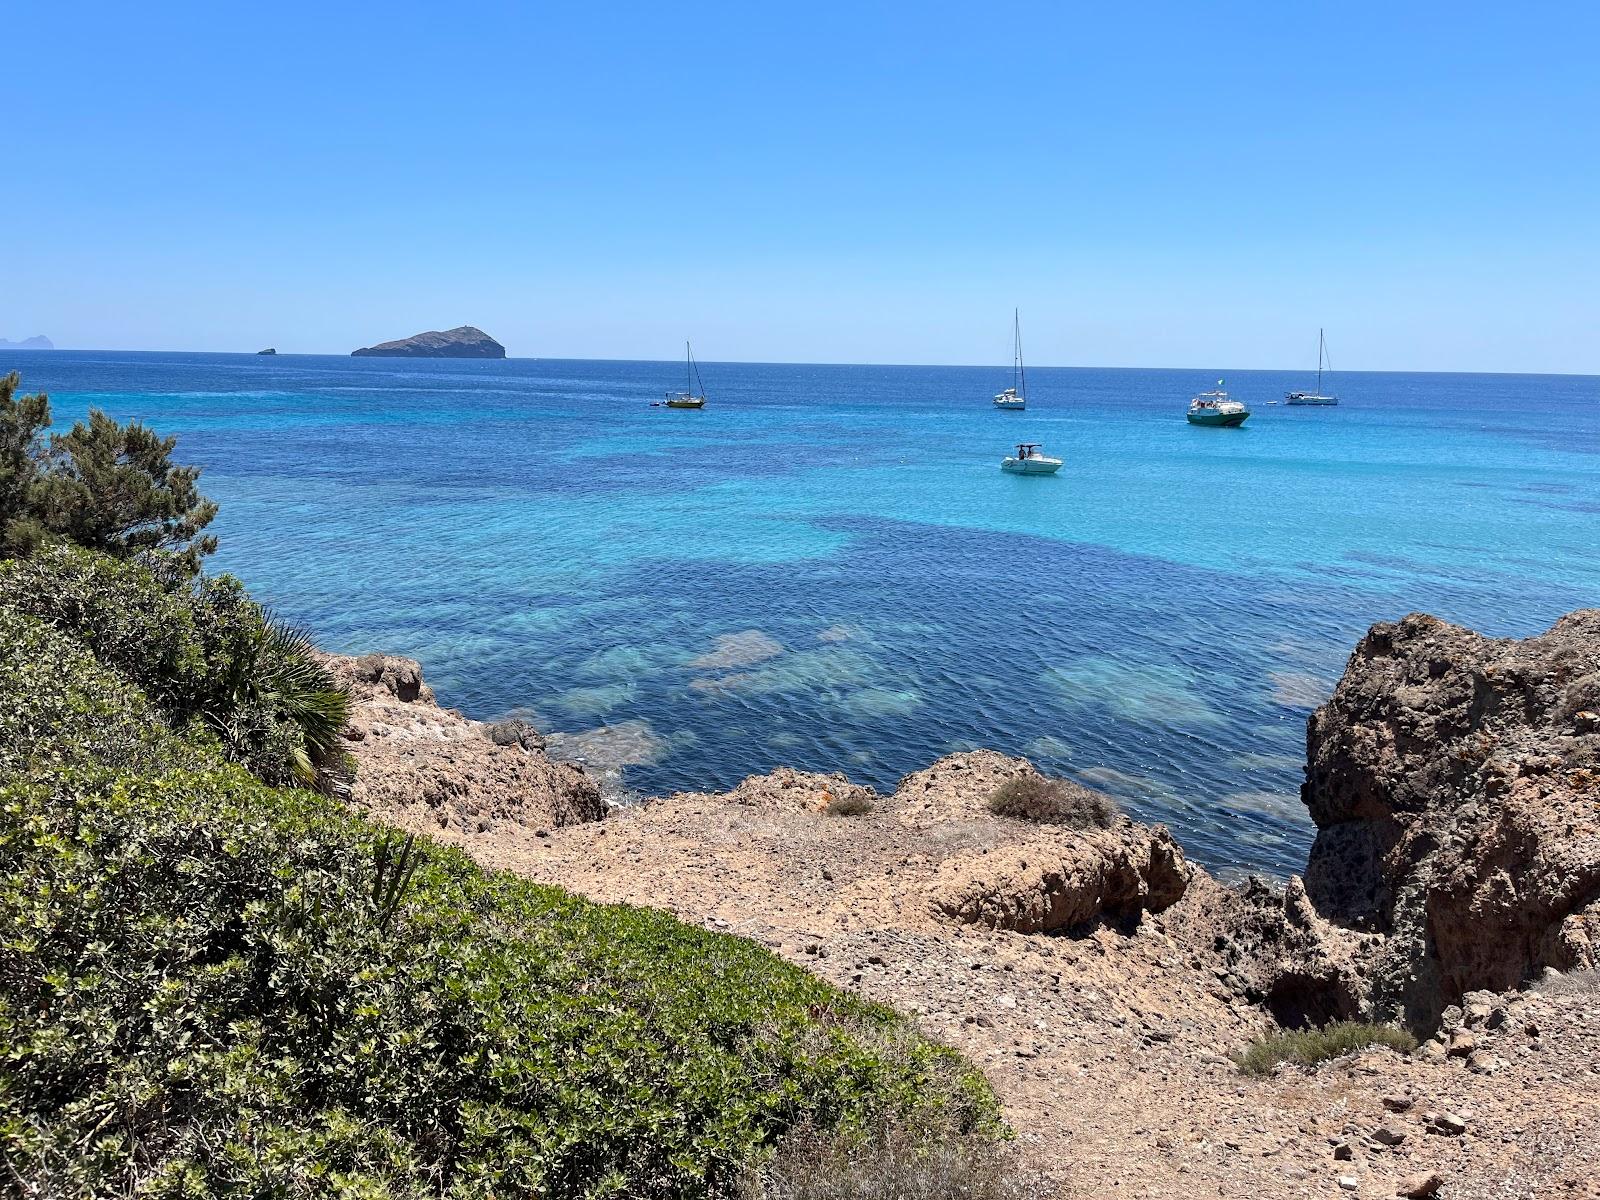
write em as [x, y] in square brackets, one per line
[826, 569]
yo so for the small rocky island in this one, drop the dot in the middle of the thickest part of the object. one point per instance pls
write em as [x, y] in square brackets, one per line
[464, 341]
[268, 350]
[38, 342]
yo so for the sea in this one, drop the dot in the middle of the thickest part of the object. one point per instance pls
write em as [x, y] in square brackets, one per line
[825, 567]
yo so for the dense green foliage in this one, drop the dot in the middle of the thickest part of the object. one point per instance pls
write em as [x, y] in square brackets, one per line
[212, 986]
[206, 656]
[103, 485]
[1308, 1047]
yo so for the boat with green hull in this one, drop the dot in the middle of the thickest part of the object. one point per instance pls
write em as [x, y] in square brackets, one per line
[1216, 407]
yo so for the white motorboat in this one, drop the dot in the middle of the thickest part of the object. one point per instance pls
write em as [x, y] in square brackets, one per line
[1315, 397]
[1028, 461]
[1015, 397]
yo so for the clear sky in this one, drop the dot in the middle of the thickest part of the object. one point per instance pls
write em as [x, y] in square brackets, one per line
[1154, 184]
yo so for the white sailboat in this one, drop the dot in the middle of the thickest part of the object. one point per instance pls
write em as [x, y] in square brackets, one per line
[688, 398]
[1315, 397]
[1015, 397]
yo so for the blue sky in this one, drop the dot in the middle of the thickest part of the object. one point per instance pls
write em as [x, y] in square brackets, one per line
[1154, 184]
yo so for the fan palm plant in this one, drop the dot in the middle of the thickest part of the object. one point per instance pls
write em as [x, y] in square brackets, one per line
[282, 711]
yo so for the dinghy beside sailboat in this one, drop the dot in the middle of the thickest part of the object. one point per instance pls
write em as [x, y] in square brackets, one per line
[1315, 397]
[688, 398]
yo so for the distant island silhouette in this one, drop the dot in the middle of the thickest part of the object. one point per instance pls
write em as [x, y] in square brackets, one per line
[34, 343]
[464, 341]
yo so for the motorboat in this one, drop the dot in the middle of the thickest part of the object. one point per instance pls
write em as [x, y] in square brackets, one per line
[1028, 461]
[1216, 407]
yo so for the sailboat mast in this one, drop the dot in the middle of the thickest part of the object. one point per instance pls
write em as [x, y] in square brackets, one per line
[1319, 362]
[1019, 374]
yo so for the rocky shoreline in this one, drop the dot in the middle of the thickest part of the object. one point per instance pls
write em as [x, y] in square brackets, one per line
[1103, 981]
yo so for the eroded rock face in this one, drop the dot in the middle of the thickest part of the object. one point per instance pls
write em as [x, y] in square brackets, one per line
[1062, 879]
[426, 767]
[1035, 878]
[1455, 783]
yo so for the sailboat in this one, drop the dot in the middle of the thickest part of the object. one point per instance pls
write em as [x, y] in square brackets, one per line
[1015, 397]
[1315, 397]
[688, 398]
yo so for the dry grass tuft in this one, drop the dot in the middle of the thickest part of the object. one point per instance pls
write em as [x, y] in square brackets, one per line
[894, 1166]
[1308, 1047]
[1574, 983]
[1032, 797]
[852, 805]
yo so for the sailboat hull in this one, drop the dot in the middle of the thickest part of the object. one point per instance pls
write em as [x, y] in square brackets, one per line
[1306, 398]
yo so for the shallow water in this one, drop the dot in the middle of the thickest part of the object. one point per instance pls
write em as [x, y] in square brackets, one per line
[826, 569]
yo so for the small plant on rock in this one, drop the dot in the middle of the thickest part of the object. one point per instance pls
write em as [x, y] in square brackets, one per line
[1308, 1047]
[895, 1164]
[851, 804]
[1033, 797]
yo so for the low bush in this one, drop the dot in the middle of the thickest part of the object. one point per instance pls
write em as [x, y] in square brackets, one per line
[202, 652]
[209, 986]
[1573, 983]
[60, 707]
[1032, 797]
[1308, 1047]
[895, 1164]
[852, 804]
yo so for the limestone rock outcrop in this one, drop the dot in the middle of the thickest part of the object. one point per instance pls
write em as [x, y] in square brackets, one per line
[1058, 879]
[429, 768]
[464, 341]
[1455, 783]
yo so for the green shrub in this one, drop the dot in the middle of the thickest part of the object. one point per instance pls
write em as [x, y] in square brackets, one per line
[199, 994]
[1308, 1047]
[58, 706]
[203, 652]
[1032, 797]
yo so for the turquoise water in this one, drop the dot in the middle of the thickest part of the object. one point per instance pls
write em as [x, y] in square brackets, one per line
[826, 569]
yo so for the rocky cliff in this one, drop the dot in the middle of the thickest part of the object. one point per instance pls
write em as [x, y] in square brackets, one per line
[431, 769]
[464, 341]
[1100, 980]
[1455, 783]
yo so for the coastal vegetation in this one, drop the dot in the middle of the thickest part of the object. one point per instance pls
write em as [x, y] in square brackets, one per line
[1033, 797]
[1308, 1047]
[216, 978]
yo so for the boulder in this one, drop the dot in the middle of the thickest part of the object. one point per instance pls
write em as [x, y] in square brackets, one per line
[426, 767]
[1061, 879]
[1454, 781]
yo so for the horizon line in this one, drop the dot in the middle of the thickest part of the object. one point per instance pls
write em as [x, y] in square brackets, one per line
[754, 362]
